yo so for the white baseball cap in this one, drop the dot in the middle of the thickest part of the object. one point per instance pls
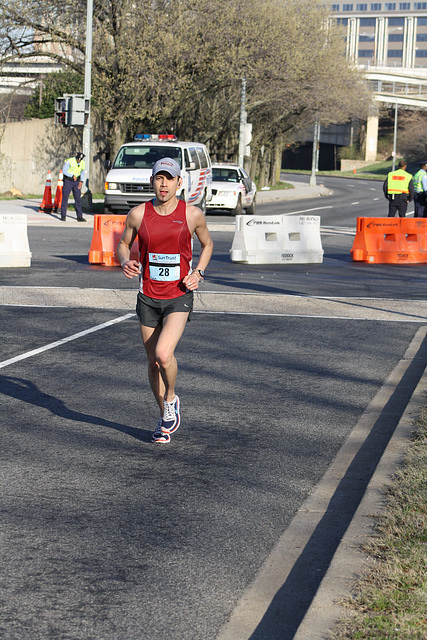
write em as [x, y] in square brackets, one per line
[168, 165]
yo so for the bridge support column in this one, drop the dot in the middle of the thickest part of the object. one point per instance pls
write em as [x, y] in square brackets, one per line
[371, 138]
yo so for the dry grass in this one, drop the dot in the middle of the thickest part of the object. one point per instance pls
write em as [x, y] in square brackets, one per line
[390, 601]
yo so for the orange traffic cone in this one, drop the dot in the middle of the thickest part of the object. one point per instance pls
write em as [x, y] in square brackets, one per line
[58, 193]
[46, 204]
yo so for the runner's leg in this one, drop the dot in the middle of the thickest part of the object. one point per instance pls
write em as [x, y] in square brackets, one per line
[150, 336]
[170, 334]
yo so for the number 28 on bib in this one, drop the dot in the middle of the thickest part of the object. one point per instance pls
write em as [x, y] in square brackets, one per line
[164, 266]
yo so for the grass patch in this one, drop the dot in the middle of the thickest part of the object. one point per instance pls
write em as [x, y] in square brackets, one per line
[377, 171]
[30, 196]
[390, 600]
[281, 185]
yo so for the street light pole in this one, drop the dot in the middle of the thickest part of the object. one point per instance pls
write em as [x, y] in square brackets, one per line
[314, 154]
[87, 129]
[242, 122]
[394, 137]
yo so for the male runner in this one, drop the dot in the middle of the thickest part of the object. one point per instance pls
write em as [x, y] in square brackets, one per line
[165, 227]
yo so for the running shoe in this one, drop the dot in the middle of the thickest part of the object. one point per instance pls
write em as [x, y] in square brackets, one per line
[159, 435]
[171, 416]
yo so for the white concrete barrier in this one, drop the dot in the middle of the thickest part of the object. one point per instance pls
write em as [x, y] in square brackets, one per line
[277, 240]
[14, 247]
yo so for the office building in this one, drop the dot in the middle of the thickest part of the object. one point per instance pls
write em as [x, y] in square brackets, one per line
[385, 34]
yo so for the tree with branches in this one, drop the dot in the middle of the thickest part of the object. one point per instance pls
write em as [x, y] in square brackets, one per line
[176, 66]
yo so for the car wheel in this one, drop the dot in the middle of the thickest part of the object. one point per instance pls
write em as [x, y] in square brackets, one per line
[251, 210]
[237, 211]
[202, 204]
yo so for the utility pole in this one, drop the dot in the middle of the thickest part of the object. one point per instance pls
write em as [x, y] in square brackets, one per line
[242, 123]
[394, 137]
[314, 154]
[87, 128]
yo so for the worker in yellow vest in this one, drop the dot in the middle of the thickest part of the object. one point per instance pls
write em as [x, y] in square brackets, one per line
[74, 175]
[398, 188]
[420, 187]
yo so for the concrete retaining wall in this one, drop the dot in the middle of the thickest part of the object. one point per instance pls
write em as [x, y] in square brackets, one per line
[28, 149]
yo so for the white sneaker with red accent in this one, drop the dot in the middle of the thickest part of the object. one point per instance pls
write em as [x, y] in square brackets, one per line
[159, 435]
[171, 416]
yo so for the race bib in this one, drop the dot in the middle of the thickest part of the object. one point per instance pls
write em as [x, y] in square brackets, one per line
[164, 266]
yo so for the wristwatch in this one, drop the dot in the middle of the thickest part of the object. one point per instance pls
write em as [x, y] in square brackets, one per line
[200, 272]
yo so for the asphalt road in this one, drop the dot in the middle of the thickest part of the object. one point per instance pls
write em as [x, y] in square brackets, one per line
[107, 536]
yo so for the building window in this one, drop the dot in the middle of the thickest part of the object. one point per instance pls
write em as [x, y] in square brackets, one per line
[368, 22]
[422, 21]
[396, 22]
[366, 38]
[361, 7]
[343, 21]
[420, 5]
[347, 7]
[363, 53]
[335, 7]
[421, 37]
[421, 53]
[404, 6]
[390, 6]
[395, 37]
[376, 6]
[395, 53]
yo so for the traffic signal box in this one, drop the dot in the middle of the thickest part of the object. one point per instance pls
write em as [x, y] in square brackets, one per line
[71, 110]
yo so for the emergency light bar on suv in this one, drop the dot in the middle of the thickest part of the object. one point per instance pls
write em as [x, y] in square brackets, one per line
[168, 137]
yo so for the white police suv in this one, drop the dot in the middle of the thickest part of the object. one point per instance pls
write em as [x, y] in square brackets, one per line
[232, 189]
[128, 180]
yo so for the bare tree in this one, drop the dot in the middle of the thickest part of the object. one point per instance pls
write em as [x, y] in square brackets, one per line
[177, 66]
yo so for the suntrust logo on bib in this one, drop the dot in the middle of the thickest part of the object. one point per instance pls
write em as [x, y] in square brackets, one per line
[164, 258]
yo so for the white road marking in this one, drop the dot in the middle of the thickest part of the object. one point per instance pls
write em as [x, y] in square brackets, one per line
[317, 317]
[291, 213]
[58, 343]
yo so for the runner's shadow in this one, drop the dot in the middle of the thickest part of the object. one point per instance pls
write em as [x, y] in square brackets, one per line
[29, 392]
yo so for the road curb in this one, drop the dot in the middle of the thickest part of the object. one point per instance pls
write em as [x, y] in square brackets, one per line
[349, 561]
[277, 604]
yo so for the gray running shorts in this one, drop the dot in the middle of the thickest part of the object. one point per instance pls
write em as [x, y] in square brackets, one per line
[151, 311]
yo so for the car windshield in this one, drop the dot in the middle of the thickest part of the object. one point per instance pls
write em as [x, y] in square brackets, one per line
[145, 156]
[224, 175]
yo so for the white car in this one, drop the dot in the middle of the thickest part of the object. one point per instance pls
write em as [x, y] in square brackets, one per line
[232, 189]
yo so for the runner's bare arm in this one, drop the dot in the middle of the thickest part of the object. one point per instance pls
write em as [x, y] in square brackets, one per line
[197, 224]
[133, 222]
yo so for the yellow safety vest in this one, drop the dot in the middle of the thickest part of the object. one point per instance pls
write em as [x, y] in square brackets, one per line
[398, 181]
[75, 167]
[418, 180]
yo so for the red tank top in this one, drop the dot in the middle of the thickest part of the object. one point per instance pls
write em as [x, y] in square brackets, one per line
[165, 249]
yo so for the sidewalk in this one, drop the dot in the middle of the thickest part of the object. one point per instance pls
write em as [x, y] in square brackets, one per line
[35, 217]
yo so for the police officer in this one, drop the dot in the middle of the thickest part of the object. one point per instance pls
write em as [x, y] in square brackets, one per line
[74, 175]
[398, 188]
[420, 188]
